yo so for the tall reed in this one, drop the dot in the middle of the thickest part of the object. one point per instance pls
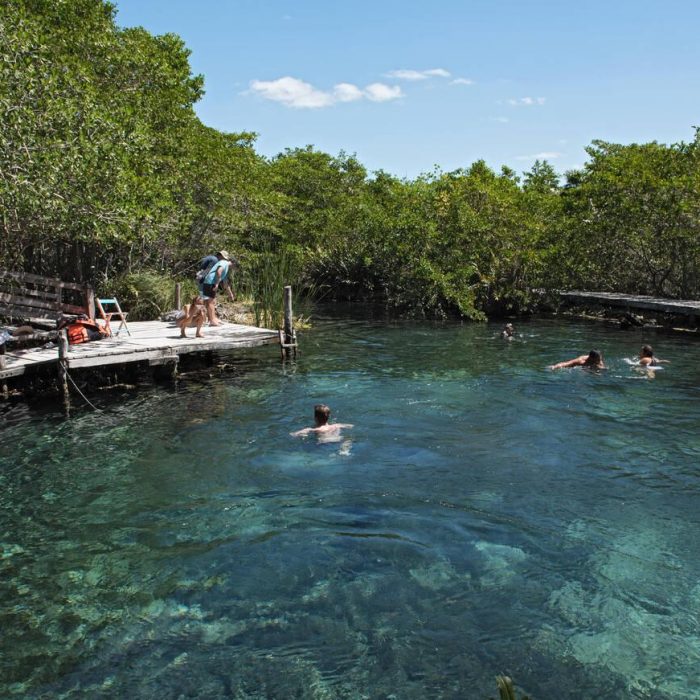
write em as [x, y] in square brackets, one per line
[265, 275]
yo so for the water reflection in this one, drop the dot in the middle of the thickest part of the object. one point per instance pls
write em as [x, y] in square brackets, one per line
[488, 515]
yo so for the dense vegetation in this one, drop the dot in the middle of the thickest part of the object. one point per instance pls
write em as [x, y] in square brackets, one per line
[107, 175]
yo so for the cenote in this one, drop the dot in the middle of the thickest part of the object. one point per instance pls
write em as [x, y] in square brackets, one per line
[485, 515]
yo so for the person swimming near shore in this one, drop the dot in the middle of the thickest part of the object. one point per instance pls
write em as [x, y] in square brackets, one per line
[647, 357]
[322, 427]
[594, 360]
[508, 331]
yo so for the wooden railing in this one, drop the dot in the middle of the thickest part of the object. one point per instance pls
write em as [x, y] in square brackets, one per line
[26, 296]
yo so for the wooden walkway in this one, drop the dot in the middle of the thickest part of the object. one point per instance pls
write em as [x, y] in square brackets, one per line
[157, 342]
[633, 301]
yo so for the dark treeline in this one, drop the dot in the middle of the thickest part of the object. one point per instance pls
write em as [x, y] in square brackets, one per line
[106, 172]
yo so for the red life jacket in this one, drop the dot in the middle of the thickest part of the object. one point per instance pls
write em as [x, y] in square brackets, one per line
[83, 331]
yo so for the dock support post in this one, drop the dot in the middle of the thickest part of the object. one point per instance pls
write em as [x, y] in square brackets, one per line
[3, 364]
[63, 368]
[290, 339]
[178, 296]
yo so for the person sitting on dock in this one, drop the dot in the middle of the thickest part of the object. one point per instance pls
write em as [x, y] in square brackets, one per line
[594, 360]
[647, 357]
[219, 274]
[508, 331]
[321, 415]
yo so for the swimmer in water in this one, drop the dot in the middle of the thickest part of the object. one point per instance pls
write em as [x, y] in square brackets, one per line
[508, 331]
[323, 428]
[594, 360]
[647, 357]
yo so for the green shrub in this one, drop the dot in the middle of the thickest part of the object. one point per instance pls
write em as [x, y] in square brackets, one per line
[146, 295]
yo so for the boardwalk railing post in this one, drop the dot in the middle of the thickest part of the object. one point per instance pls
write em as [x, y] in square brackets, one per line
[289, 335]
[178, 296]
[90, 301]
[63, 367]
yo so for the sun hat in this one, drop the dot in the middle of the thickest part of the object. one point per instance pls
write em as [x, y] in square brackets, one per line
[224, 254]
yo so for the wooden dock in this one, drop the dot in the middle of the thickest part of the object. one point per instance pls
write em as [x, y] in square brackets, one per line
[156, 342]
[634, 301]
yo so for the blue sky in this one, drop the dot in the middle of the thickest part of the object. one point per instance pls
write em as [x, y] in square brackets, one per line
[407, 86]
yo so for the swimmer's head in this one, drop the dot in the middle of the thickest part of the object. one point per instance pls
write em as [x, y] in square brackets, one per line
[595, 358]
[321, 414]
[508, 329]
[646, 351]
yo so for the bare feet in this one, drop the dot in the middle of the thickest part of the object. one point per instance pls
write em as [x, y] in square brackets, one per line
[199, 335]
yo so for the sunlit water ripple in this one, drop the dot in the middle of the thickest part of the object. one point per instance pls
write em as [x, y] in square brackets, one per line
[485, 515]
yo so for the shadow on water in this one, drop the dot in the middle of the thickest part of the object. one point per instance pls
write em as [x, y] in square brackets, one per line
[484, 515]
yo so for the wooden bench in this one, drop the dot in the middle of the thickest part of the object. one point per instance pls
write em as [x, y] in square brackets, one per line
[27, 296]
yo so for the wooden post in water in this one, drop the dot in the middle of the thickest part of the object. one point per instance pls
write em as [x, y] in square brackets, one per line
[3, 364]
[290, 341]
[178, 296]
[63, 367]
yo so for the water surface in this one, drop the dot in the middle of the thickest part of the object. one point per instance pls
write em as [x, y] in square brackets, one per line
[485, 515]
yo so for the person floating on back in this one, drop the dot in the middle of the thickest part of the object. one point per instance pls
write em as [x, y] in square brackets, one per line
[594, 360]
[647, 357]
[321, 415]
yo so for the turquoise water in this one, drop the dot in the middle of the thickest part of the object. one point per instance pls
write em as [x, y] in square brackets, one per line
[485, 515]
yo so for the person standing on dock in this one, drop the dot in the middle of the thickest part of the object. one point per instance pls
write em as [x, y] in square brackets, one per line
[205, 265]
[218, 274]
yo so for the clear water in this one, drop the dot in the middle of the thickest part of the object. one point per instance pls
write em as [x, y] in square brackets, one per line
[486, 515]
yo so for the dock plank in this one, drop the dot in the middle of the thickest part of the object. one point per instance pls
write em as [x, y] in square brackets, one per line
[149, 341]
[685, 307]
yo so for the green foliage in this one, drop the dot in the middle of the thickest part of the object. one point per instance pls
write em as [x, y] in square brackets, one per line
[144, 295]
[106, 173]
[633, 217]
[268, 270]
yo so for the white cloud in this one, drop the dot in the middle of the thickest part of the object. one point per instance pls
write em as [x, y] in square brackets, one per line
[437, 73]
[406, 74]
[298, 94]
[292, 93]
[378, 92]
[526, 101]
[545, 155]
[461, 81]
[347, 92]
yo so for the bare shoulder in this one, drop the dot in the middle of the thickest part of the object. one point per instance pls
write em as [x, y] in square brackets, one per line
[333, 427]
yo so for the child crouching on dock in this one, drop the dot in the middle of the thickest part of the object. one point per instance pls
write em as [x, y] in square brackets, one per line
[195, 314]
